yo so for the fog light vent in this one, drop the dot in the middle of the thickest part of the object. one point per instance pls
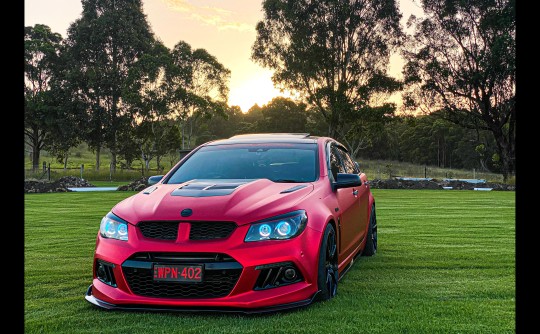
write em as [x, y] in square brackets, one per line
[277, 274]
[104, 272]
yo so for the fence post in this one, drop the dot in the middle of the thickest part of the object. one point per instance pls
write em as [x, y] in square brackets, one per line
[49, 171]
[110, 171]
[82, 170]
[425, 172]
[44, 166]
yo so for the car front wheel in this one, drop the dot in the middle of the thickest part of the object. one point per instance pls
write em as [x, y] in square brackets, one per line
[371, 243]
[327, 279]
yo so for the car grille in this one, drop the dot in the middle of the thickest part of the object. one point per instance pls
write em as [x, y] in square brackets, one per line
[167, 230]
[220, 275]
[211, 230]
[159, 230]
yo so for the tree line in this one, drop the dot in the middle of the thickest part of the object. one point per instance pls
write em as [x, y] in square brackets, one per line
[111, 83]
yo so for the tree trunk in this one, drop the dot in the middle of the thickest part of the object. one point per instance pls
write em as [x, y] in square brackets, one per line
[36, 148]
[98, 157]
[438, 153]
[190, 131]
[113, 161]
[183, 147]
[66, 160]
[35, 158]
[505, 149]
[158, 160]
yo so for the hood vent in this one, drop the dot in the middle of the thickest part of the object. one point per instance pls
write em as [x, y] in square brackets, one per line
[208, 188]
[295, 188]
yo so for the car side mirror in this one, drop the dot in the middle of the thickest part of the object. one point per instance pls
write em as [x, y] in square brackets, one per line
[347, 180]
[154, 179]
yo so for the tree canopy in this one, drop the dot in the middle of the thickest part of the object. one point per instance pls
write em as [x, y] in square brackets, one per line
[41, 52]
[335, 53]
[104, 43]
[114, 86]
[461, 60]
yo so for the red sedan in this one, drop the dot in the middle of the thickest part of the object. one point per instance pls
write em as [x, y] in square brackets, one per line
[253, 223]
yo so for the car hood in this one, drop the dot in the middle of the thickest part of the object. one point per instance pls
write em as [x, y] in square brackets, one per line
[241, 201]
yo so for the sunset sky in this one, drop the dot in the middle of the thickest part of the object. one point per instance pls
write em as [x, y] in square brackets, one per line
[225, 28]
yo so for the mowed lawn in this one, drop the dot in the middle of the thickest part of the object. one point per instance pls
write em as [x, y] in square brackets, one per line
[446, 264]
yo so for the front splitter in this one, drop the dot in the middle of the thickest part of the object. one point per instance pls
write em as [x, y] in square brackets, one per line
[93, 300]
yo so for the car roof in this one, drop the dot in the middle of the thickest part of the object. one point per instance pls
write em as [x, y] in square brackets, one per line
[261, 138]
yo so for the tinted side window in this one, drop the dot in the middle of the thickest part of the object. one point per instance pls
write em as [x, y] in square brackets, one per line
[350, 166]
[335, 163]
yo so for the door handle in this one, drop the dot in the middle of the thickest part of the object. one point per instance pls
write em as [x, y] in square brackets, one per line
[355, 192]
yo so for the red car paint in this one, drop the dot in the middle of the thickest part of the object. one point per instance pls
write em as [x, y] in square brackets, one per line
[348, 209]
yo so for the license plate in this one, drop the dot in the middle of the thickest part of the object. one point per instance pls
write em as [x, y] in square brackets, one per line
[178, 273]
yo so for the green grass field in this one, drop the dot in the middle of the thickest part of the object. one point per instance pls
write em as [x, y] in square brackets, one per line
[446, 264]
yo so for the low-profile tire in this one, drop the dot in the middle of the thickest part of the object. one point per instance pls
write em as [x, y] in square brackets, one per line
[371, 243]
[327, 279]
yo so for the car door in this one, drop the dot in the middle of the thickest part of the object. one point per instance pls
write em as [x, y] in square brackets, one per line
[348, 208]
[360, 220]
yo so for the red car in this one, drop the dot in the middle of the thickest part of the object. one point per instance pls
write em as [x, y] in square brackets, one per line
[253, 223]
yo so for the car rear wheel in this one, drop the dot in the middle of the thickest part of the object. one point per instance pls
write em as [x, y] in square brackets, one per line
[327, 279]
[371, 244]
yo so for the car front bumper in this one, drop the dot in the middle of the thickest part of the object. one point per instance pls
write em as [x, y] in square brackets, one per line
[302, 251]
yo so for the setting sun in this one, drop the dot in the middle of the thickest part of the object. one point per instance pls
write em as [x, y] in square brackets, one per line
[254, 88]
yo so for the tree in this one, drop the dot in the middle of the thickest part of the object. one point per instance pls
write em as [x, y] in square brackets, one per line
[41, 48]
[221, 126]
[461, 59]
[67, 111]
[283, 115]
[108, 40]
[146, 93]
[198, 87]
[334, 53]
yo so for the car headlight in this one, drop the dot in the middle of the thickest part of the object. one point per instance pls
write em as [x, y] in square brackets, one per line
[113, 227]
[278, 228]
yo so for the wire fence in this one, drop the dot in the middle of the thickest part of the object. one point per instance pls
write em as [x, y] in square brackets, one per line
[104, 174]
[374, 169]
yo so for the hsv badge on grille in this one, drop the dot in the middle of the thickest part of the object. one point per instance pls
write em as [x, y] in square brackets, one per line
[186, 212]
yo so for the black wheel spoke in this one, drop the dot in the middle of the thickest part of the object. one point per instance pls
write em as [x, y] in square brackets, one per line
[331, 280]
[331, 248]
[371, 243]
[331, 265]
[328, 268]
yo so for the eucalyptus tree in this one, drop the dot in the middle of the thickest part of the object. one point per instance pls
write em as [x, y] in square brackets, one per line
[283, 115]
[108, 39]
[41, 52]
[335, 53]
[154, 132]
[462, 59]
[198, 87]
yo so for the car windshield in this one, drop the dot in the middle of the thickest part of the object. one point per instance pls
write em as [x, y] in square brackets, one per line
[276, 162]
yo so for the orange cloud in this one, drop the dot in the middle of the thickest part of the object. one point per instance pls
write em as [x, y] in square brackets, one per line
[221, 18]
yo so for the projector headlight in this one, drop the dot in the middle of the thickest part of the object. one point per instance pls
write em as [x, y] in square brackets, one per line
[281, 227]
[113, 227]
